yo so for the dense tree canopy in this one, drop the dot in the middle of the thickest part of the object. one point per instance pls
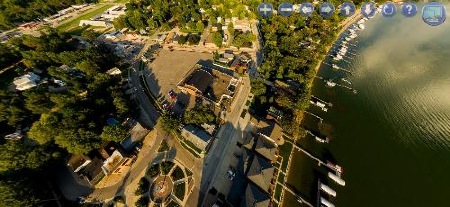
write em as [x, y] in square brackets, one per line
[199, 115]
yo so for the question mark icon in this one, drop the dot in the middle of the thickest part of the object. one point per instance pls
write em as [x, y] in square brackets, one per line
[409, 9]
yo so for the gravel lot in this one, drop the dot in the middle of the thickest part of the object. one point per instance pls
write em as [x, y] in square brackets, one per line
[169, 68]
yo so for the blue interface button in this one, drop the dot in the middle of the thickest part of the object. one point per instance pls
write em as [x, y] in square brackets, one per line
[389, 9]
[368, 10]
[265, 9]
[286, 9]
[326, 10]
[347, 9]
[307, 9]
[433, 13]
[409, 9]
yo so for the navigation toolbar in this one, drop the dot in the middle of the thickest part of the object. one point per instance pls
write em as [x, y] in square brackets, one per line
[433, 13]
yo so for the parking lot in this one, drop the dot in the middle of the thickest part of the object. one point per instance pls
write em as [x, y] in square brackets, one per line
[170, 67]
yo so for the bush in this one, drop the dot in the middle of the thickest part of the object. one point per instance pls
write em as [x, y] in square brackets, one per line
[142, 202]
[179, 190]
[164, 146]
[144, 185]
[119, 199]
[153, 170]
[165, 167]
[177, 174]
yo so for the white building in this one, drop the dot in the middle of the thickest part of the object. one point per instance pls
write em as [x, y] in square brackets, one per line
[27, 81]
[94, 23]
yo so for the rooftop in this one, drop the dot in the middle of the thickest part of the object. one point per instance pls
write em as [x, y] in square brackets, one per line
[254, 197]
[200, 79]
[261, 172]
[201, 134]
[266, 148]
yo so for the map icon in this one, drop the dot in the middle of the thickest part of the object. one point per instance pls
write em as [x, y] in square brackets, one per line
[347, 9]
[434, 13]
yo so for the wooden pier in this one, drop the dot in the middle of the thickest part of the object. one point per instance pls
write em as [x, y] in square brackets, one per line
[307, 112]
[338, 68]
[326, 103]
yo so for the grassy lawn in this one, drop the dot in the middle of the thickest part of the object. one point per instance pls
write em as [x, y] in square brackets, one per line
[285, 151]
[153, 170]
[163, 147]
[281, 178]
[278, 190]
[177, 174]
[179, 190]
[74, 23]
[192, 145]
[166, 166]
[189, 149]
[172, 204]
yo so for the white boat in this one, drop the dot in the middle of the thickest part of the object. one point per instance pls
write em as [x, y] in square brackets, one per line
[330, 84]
[336, 179]
[335, 66]
[353, 36]
[348, 38]
[327, 189]
[337, 57]
[347, 81]
[361, 26]
[326, 203]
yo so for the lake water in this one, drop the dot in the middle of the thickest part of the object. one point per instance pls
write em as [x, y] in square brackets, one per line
[393, 137]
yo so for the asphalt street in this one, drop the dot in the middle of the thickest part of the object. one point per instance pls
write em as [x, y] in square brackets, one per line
[217, 161]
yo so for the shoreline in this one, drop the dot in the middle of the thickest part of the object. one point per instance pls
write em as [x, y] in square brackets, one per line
[343, 26]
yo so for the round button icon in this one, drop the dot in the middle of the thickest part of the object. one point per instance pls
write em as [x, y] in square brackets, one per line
[285, 9]
[409, 9]
[368, 10]
[326, 9]
[388, 9]
[347, 9]
[434, 13]
[306, 9]
[265, 9]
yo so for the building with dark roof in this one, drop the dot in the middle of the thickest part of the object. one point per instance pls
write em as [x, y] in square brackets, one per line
[198, 81]
[210, 84]
[261, 173]
[254, 197]
[199, 137]
[266, 148]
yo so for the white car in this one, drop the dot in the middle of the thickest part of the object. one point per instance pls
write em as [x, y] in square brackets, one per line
[231, 174]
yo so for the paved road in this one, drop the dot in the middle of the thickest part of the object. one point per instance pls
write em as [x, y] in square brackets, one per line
[146, 156]
[217, 161]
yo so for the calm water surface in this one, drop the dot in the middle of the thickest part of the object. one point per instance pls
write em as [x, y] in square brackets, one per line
[393, 137]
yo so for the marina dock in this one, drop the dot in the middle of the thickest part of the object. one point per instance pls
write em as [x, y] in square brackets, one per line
[324, 102]
[338, 68]
[314, 115]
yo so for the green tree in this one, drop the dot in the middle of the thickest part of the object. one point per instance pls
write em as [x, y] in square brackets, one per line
[114, 133]
[45, 129]
[90, 35]
[79, 141]
[218, 38]
[200, 26]
[199, 114]
[169, 123]
[230, 28]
